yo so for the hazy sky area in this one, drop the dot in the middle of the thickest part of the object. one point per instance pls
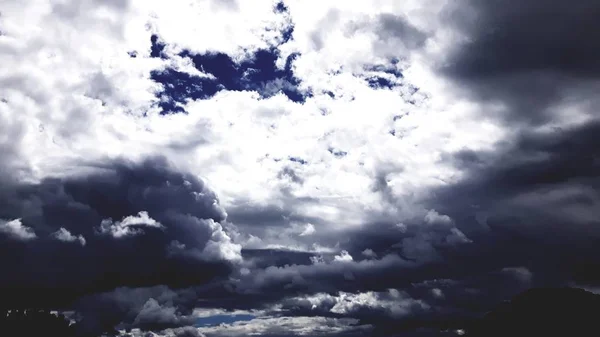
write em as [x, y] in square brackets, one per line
[213, 168]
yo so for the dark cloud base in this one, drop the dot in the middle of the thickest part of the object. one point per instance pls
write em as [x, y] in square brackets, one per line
[45, 272]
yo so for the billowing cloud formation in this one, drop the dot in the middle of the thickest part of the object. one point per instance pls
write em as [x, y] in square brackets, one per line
[123, 228]
[16, 230]
[184, 245]
[381, 167]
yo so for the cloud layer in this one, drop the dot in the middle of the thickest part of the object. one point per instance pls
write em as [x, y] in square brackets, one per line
[343, 169]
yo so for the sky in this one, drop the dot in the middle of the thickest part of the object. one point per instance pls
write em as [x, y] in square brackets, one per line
[212, 168]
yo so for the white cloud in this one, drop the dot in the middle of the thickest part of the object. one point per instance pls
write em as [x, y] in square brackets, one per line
[277, 326]
[64, 235]
[225, 139]
[392, 303]
[308, 230]
[318, 259]
[220, 246]
[343, 257]
[15, 229]
[129, 226]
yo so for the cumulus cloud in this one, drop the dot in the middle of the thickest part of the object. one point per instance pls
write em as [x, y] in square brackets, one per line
[126, 227]
[343, 257]
[64, 235]
[185, 210]
[16, 230]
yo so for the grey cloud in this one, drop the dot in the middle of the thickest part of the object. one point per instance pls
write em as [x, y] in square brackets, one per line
[395, 27]
[542, 176]
[329, 276]
[528, 55]
[153, 314]
[533, 202]
[15, 230]
[64, 235]
[423, 239]
[148, 308]
[393, 304]
[524, 215]
[153, 206]
[533, 199]
[187, 332]
[323, 26]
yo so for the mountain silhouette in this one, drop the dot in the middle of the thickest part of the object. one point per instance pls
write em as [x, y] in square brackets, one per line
[542, 312]
[34, 323]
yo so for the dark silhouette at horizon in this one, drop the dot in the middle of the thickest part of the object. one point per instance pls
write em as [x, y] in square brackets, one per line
[542, 312]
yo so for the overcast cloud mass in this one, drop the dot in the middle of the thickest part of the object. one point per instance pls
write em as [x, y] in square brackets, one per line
[292, 168]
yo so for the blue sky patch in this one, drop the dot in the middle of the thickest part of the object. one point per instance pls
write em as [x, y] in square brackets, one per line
[157, 47]
[178, 87]
[256, 73]
[377, 82]
[280, 7]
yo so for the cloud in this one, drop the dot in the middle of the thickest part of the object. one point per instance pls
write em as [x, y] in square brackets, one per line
[318, 274]
[308, 230]
[444, 151]
[519, 56]
[369, 253]
[136, 253]
[392, 303]
[64, 235]
[343, 257]
[154, 314]
[15, 229]
[287, 326]
[126, 227]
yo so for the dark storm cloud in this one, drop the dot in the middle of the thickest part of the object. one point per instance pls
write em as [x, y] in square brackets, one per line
[529, 209]
[330, 275]
[140, 225]
[550, 176]
[529, 55]
[533, 200]
[536, 199]
[513, 36]
[152, 309]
